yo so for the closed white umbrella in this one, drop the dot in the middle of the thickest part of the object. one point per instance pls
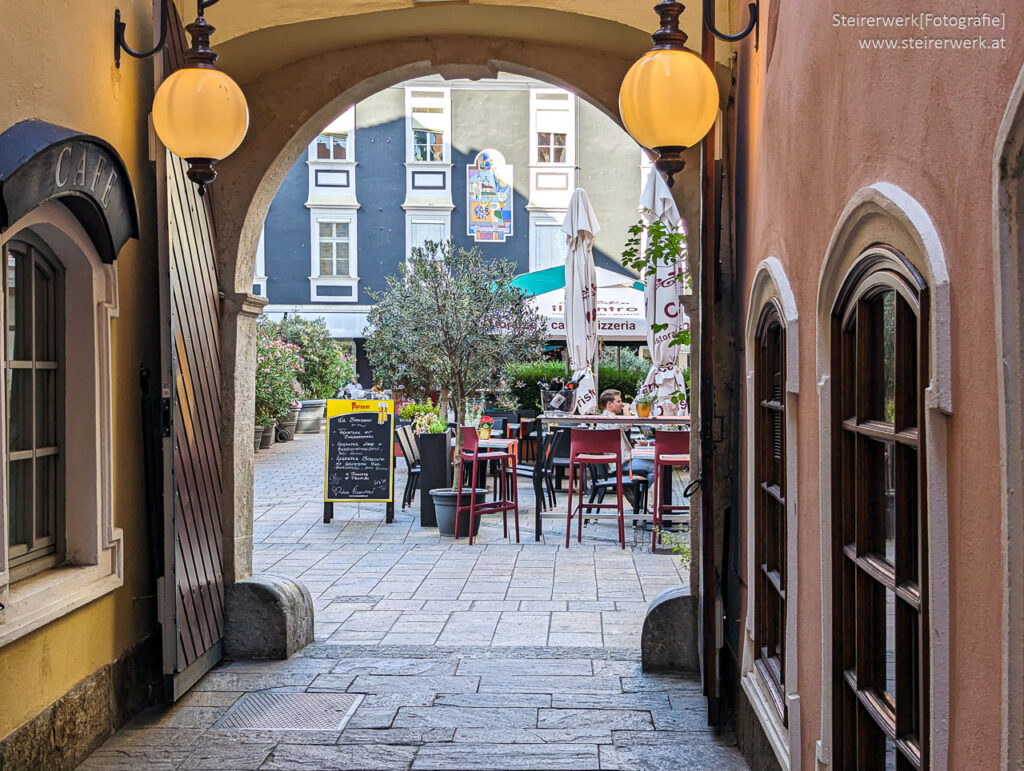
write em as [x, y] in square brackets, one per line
[580, 228]
[663, 302]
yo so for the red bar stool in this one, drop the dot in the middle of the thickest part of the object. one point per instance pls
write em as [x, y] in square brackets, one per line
[671, 449]
[473, 454]
[594, 446]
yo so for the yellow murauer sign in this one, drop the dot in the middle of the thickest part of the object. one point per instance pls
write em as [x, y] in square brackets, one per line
[360, 451]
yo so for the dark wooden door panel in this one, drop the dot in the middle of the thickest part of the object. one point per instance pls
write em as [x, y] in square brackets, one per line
[193, 583]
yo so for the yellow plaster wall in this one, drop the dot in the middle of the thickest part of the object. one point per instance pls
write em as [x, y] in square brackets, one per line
[57, 66]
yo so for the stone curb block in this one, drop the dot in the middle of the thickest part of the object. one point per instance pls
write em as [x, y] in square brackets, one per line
[266, 617]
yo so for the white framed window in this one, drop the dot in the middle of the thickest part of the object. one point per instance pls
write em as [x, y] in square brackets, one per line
[428, 117]
[428, 152]
[552, 155]
[334, 269]
[552, 127]
[33, 312]
[547, 242]
[331, 159]
[769, 657]
[337, 141]
[59, 549]
[421, 228]
[335, 246]
[331, 147]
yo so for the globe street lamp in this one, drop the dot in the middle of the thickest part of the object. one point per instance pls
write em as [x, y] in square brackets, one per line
[669, 98]
[199, 112]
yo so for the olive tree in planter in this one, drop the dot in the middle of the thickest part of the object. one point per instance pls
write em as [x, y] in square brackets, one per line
[450, 320]
[278, 365]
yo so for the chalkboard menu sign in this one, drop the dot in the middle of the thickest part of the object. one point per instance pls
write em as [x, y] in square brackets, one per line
[360, 451]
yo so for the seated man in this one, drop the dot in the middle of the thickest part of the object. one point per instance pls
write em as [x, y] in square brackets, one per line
[610, 403]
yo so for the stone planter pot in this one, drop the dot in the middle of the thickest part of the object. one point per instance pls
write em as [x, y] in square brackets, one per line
[445, 500]
[257, 437]
[267, 440]
[310, 418]
[286, 431]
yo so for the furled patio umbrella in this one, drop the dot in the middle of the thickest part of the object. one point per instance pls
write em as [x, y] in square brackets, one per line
[663, 302]
[580, 228]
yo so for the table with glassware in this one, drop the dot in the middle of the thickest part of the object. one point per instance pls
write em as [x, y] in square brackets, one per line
[626, 422]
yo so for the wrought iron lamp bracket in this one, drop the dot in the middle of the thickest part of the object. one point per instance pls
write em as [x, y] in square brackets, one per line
[753, 23]
[120, 44]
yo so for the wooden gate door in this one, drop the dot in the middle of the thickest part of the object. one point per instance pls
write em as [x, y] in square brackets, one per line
[192, 587]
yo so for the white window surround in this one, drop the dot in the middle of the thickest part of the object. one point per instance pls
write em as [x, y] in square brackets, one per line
[884, 212]
[771, 286]
[316, 281]
[552, 109]
[343, 124]
[260, 279]
[551, 184]
[421, 97]
[1008, 178]
[93, 550]
[428, 184]
[333, 182]
[433, 221]
[538, 221]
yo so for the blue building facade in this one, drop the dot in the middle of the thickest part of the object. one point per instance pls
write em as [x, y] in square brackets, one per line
[490, 164]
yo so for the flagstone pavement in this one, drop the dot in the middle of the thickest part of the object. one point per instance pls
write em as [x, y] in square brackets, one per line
[495, 656]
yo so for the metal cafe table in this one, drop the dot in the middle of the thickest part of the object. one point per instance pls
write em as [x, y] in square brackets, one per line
[624, 421]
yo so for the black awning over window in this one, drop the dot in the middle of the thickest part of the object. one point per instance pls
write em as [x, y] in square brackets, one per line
[40, 162]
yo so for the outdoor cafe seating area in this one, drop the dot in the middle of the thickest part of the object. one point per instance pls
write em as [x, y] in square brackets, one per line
[574, 466]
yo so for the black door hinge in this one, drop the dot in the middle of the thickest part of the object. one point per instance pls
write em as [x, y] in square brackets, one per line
[165, 417]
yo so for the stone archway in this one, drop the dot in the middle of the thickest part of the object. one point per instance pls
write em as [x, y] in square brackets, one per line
[288, 106]
[1008, 219]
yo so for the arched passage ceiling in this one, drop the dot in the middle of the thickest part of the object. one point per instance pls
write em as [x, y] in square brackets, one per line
[256, 38]
[301, 61]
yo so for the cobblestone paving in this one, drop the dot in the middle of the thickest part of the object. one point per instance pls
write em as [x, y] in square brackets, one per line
[495, 656]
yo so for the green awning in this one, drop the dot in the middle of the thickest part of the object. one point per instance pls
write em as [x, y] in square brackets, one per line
[550, 279]
[541, 281]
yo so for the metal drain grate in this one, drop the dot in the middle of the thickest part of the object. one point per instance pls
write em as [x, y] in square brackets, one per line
[291, 712]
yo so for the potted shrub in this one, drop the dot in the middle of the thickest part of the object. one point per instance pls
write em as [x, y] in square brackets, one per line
[286, 427]
[434, 441]
[450, 321]
[412, 410]
[278, 364]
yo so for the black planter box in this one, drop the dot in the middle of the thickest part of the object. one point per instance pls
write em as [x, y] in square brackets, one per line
[435, 471]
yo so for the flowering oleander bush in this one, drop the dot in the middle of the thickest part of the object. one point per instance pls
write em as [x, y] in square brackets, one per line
[326, 367]
[278, 367]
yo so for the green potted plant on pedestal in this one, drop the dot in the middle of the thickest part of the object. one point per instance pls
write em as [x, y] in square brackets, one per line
[643, 403]
[449, 322]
